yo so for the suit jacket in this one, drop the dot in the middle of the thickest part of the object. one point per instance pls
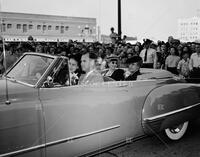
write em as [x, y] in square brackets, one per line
[90, 78]
[133, 76]
[117, 75]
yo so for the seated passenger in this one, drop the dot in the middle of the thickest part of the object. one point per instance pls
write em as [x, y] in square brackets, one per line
[69, 76]
[113, 71]
[74, 69]
[88, 64]
[134, 63]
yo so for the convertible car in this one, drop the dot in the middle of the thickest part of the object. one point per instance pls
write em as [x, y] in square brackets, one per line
[41, 116]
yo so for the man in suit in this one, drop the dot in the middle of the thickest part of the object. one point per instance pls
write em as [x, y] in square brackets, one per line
[88, 64]
[134, 63]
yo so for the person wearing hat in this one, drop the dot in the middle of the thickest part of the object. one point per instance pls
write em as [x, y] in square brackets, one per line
[113, 71]
[88, 65]
[134, 63]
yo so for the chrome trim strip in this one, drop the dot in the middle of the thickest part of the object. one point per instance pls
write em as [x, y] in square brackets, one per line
[69, 139]
[170, 113]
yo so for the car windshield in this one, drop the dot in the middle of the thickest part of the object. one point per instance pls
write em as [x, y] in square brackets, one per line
[30, 69]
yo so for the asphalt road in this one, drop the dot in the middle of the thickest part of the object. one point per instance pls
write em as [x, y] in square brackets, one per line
[188, 146]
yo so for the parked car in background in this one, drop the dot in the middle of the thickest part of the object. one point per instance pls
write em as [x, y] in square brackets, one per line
[39, 116]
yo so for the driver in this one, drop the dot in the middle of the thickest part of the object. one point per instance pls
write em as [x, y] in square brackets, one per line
[134, 63]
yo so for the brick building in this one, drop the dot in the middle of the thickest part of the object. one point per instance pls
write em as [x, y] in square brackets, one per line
[19, 26]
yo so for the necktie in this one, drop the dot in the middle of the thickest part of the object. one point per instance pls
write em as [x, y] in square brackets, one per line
[145, 56]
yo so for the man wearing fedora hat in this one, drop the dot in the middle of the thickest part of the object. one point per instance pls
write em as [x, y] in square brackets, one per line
[134, 63]
[113, 71]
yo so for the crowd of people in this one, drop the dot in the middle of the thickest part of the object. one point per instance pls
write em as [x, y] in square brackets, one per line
[179, 58]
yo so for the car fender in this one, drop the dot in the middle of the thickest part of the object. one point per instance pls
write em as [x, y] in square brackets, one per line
[170, 105]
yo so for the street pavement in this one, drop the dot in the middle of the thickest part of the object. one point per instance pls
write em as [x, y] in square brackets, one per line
[154, 146]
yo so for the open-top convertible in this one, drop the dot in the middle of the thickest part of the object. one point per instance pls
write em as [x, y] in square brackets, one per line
[41, 117]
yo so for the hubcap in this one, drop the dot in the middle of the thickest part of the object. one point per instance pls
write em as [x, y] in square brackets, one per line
[176, 129]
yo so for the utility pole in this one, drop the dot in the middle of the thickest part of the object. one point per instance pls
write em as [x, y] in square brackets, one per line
[7, 102]
[119, 19]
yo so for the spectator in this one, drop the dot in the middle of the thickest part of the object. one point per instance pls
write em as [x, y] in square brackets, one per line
[1, 64]
[11, 57]
[194, 65]
[124, 39]
[161, 56]
[180, 49]
[193, 48]
[113, 36]
[183, 65]
[170, 41]
[148, 55]
[130, 53]
[39, 48]
[137, 50]
[103, 62]
[186, 49]
[172, 60]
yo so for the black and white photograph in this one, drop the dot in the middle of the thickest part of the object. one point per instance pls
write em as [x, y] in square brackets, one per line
[100, 78]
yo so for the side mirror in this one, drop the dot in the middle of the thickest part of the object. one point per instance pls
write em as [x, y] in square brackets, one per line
[49, 82]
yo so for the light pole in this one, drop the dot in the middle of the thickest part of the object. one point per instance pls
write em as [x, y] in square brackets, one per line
[7, 102]
[119, 19]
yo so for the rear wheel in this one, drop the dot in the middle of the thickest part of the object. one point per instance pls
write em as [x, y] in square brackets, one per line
[176, 132]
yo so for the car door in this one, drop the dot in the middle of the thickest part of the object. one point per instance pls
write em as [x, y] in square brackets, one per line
[21, 121]
[80, 119]
[73, 123]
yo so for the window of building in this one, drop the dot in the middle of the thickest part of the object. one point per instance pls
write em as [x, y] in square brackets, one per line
[62, 29]
[24, 28]
[66, 28]
[4, 27]
[38, 27]
[49, 27]
[44, 27]
[57, 27]
[9, 26]
[19, 26]
[30, 26]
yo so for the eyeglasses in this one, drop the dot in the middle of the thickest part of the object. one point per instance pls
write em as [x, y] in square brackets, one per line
[113, 62]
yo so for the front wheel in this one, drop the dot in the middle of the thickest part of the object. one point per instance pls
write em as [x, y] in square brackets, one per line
[177, 132]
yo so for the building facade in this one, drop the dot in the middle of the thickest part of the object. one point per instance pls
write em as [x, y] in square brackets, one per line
[189, 29]
[19, 26]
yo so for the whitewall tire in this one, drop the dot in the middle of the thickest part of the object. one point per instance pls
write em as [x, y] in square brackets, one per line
[177, 132]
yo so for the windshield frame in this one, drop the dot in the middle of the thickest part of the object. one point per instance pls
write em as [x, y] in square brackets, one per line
[19, 60]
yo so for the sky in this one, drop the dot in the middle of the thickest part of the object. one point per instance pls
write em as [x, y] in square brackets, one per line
[154, 19]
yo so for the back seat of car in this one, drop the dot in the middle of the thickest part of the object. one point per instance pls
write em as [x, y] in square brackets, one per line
[107, 79]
